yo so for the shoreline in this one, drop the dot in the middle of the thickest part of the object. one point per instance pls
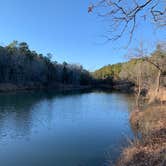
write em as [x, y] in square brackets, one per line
[122, 88]
[150, 144]
[5, 88]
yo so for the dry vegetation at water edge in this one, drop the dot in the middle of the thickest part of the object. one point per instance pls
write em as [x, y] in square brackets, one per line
[150, 150]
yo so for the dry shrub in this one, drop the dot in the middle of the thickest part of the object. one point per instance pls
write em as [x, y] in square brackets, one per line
[160, 96]
[153, 118]
[150, 150]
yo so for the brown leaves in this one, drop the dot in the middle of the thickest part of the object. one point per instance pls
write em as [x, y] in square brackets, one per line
[90, 8]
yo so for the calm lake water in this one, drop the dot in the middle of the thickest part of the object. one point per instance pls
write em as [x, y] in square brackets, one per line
[67, 129]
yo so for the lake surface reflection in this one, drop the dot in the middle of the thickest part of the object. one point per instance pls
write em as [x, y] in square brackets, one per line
[63, 129]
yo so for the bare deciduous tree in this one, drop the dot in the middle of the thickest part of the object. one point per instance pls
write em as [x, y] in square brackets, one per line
[136, 72]
[124, 14]
[156, 61]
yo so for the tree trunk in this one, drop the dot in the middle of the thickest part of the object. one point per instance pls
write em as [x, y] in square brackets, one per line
[139, 78]
[158, 82]
[138, 96]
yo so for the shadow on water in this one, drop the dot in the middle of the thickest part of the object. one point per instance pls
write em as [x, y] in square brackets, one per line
[24, 100]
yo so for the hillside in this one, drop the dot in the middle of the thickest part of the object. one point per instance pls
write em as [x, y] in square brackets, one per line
[129, 71]
[108, 71]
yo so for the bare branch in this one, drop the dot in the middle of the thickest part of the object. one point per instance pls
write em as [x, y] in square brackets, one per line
[123, 14]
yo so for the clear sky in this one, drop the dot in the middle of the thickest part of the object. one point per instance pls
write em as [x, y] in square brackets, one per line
[66, 29]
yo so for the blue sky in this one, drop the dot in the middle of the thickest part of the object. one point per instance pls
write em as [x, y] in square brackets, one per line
[66, 29]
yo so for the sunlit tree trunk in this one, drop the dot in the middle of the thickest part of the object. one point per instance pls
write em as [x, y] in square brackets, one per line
[139, 83]
[158, 81]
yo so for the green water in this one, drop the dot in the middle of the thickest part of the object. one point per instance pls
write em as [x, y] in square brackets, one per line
[63, 129]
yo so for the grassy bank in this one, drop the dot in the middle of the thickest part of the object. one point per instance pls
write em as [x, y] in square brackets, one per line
[150, 149]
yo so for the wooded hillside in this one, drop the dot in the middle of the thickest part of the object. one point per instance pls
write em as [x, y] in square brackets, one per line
[21, 66]
[129, 71]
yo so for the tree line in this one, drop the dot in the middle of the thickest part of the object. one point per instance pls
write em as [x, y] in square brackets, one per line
[21, 66]
[145, 72]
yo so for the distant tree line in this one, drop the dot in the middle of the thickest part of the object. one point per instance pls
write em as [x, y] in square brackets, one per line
[108, 72]
[21, 66]
[150, 68]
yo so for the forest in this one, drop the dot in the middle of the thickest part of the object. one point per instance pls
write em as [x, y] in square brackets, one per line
[22, 67]
[147, 68]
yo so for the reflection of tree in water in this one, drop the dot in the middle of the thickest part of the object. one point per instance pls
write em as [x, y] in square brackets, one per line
[15, 113]
[23, 101]
[16, 109]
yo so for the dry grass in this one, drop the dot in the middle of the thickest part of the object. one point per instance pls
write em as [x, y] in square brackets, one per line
[153, 118]
[151, 149]
[160, 96]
